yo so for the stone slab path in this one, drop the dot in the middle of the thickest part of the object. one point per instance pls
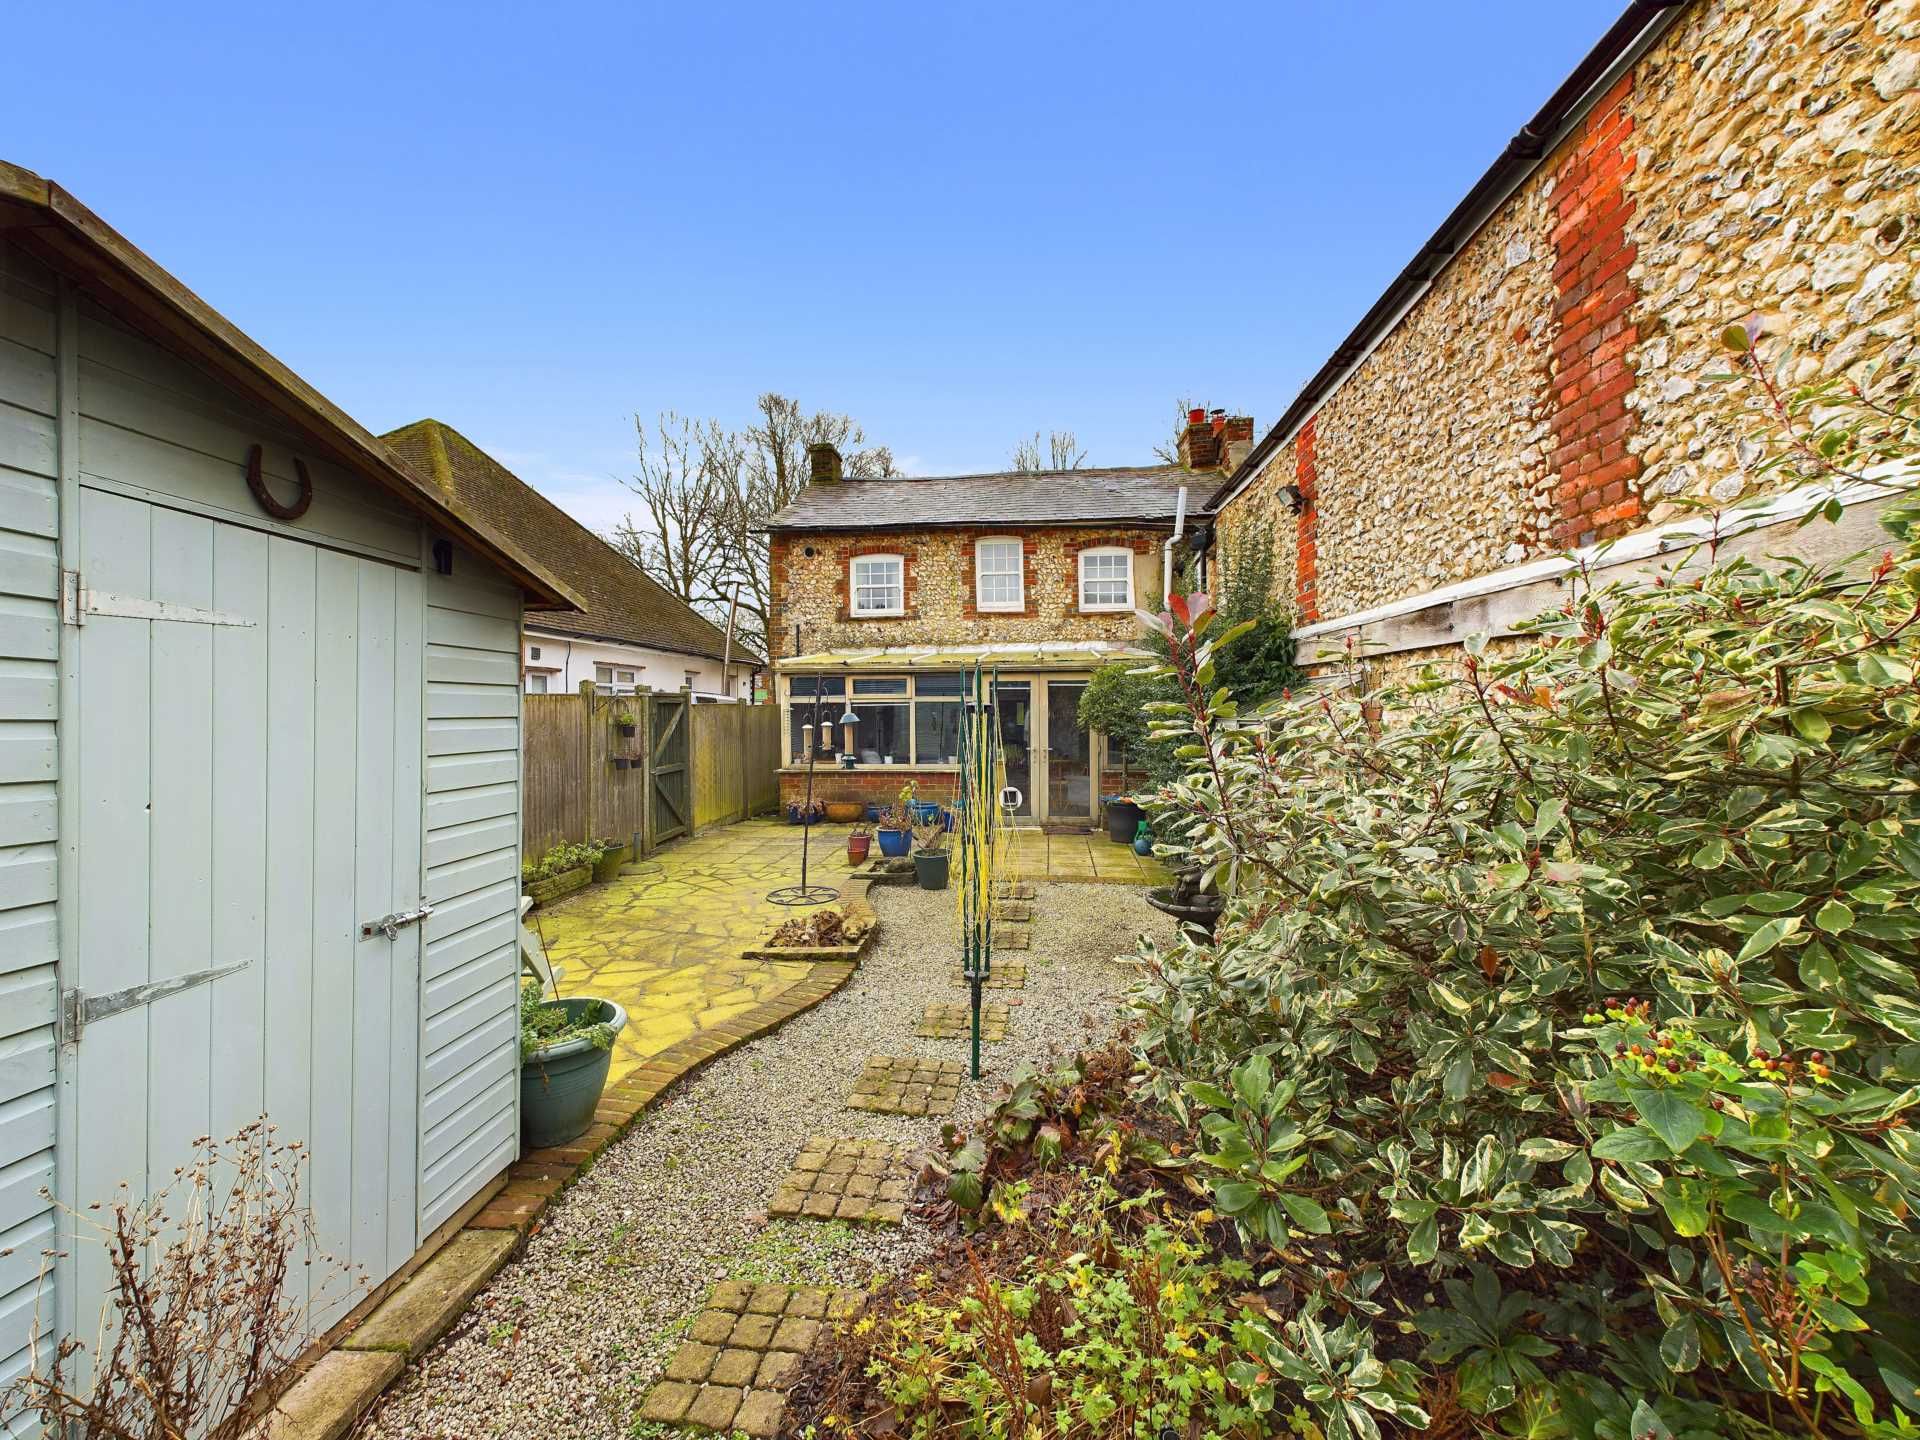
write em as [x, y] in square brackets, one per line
[953, 1020]
[907, 1085]
[739, 1351]
[840, 1178]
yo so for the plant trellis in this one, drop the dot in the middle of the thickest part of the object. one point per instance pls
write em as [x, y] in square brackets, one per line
[983, 835]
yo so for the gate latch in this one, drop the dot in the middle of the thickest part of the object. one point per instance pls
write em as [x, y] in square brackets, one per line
[391, 925]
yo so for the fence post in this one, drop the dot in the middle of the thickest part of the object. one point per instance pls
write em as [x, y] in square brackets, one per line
[643, 713]
[587, 775]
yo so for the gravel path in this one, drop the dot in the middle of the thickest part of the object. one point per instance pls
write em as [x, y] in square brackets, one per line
[567, 1340]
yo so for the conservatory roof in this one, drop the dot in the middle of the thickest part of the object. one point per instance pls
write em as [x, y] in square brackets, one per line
[1042, 655]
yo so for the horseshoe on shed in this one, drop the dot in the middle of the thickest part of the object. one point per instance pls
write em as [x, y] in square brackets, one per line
[265, 496]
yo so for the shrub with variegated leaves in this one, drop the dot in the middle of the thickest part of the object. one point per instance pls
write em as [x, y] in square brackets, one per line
[1565, 1032]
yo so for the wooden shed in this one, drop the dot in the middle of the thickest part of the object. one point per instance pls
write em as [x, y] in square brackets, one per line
[259, 777]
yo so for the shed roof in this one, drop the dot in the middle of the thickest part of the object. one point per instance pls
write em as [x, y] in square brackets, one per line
[1145, 494]
[46, 220]
[620, 602]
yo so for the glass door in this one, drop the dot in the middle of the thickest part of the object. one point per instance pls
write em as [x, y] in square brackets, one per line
[1069, 756]
[1014, 699]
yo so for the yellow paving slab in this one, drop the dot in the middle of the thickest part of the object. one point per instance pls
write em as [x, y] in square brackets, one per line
[665, 938]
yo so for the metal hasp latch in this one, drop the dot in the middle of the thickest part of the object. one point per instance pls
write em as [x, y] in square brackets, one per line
[391, 925]
[79, 1009]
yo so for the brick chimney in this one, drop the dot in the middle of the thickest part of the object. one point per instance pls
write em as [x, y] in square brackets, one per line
[823, 463]
[1199, 448]
[1215, 440]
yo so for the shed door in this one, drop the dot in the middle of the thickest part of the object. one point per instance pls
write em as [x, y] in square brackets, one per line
[249, 717]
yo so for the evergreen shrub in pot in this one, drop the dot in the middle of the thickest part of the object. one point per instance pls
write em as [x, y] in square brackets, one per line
[566, 1049]
[930, 859]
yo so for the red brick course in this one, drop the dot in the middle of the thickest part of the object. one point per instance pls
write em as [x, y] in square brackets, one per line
[1594, 492]
[1306, 567]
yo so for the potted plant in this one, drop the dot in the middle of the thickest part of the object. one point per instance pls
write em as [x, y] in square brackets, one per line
[623, 762]
[894, 833]
[626, 723]
[930, 858]
[613, 855]
[566, 1048]
[859, 841]
[799, 814]
[1123, 818]
[845, 812]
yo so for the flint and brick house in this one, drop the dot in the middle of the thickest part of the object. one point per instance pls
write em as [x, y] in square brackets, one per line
[1540, 376]
[1538, 379]
[886, 592]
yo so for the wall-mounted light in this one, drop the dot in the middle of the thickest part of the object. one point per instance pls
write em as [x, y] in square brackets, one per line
[1295, 497]
[443, 556]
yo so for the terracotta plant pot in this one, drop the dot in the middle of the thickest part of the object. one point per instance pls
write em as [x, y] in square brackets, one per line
[845, 812]
[857, 847]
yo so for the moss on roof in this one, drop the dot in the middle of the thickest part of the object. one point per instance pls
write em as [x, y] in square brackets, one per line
[623, 603]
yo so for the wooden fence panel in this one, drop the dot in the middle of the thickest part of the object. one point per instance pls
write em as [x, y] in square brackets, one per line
[736, 759]
[574, 790]
[554, 801]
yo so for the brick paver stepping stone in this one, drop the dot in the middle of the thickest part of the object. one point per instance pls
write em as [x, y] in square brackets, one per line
[947, 1021]
[907, 1085]
[1018, 910]
[1005, 975]
[1011, 937]
[840, 1179]
[740, 1354]
[1018, 890]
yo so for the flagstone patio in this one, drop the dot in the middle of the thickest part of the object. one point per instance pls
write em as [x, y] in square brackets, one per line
[665, 938]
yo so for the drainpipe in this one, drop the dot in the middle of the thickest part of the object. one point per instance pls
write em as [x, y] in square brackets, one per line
[1166, 553]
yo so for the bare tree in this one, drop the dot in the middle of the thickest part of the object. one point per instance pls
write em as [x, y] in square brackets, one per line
[707, 492]
[684, 483]
[1063, 452]
[1169, 453]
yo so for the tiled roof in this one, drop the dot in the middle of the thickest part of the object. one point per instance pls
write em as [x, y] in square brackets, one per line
[623, 603]
[1045, 497]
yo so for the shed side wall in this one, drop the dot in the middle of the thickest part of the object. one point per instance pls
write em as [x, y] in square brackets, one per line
[29, 653]
[470, 1118]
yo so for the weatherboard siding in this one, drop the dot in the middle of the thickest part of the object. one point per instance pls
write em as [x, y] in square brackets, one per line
[469, 1085]
[29, 659]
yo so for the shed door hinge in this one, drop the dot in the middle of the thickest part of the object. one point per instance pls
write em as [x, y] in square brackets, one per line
[77, 602]
[79, 1009]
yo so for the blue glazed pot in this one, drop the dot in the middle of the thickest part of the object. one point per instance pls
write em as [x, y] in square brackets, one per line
[560, 1085]
[894, 843]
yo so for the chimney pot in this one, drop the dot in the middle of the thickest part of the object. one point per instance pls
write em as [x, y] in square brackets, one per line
[824, 466]
[1215, 439]
[1196, 415]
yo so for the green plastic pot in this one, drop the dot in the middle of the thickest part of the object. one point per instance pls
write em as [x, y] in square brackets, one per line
[560, 1084]
[930, 869]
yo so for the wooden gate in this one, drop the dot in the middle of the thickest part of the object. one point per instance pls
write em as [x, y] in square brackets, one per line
[669, 790]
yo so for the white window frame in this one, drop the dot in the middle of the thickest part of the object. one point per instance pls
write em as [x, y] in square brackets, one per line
[854, 607]
[613, 684]
[1105, 606]
[1019, 601]
[537, 682]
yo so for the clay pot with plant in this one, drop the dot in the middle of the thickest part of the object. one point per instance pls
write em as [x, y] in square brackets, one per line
[859, 842]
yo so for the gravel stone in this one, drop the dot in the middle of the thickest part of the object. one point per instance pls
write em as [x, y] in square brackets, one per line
[570, 1337]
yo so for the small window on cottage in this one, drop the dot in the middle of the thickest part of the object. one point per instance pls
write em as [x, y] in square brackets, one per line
[537, 684]
[1106, 579]
[877, 585]
[614, 679]
[997, 579]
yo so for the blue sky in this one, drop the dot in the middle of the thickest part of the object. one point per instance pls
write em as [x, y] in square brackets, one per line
[960, 224]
